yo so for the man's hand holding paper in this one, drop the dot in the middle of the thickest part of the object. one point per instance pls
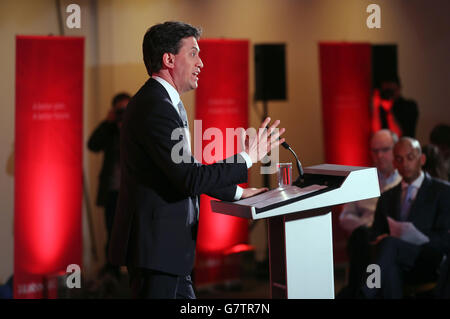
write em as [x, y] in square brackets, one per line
[407, 232]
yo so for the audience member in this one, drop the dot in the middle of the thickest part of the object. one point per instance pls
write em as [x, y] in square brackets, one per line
[409, 235]
[434, 165]
[410, 228]
[106, 138]
[440, 136]
[360, 213]
[392, 111]
[357, 217]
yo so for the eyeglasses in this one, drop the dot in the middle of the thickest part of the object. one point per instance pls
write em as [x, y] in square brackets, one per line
[381, 150]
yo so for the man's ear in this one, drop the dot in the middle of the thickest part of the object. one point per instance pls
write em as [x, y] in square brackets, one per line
[423, 159]
[168, 60]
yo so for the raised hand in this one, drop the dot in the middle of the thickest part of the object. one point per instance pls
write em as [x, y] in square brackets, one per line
[258, 144]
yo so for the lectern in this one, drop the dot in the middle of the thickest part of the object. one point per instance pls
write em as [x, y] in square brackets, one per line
[300, 229]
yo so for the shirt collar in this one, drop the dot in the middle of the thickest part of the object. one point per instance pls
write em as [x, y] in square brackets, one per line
[417, 182]
[173, 94]
[387, 179]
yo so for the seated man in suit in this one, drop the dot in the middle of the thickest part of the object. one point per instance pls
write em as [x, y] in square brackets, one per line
[361, 212]
[357, 217]
[410, 228]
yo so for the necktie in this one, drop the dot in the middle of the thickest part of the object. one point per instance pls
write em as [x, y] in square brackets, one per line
[183, 114]
[185, 121]
[406, 205]
[184, 118]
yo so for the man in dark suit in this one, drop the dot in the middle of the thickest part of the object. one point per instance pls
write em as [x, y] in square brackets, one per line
[106, 138]
[409, 253]
[156, 221]
[404, 112]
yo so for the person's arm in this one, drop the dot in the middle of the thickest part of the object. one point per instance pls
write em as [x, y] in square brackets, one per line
[226, 193]
[153, 130]
[235, 192]
[101, 136]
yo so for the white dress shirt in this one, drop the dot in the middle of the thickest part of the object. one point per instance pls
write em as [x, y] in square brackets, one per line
[416, 185]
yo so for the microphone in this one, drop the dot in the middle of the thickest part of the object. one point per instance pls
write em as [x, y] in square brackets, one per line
[299, 165]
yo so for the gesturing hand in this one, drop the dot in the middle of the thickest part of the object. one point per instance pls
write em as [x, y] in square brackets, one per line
[262, 142]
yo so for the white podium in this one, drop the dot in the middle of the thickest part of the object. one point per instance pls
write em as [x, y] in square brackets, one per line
[300, 229]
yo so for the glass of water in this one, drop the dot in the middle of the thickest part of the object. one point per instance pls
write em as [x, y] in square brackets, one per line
[284, 174]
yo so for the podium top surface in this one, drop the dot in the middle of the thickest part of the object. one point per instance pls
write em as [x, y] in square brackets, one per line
[327, 185]
[333, 169]
[279, 196]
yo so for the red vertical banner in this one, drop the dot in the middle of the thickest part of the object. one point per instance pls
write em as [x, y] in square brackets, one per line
[221, 107]
[346, 82]
[48, 161]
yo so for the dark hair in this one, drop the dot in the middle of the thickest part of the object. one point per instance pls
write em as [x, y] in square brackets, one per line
[394, 78]
[119, 97]
[434, 163]
[440, 135]
[165, 38]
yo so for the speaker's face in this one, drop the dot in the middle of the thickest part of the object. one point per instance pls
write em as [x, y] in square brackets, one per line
[187, 65]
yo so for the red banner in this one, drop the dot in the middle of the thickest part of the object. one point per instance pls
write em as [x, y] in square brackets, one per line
[48, 161]
[222, 106]
[346, 83]
[346, 79]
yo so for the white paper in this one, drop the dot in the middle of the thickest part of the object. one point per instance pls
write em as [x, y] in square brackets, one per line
[407, 231]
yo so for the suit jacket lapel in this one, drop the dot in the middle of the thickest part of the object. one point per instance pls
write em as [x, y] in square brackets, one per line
[397, 197]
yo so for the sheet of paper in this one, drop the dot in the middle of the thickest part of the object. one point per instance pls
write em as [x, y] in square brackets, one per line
[407, 232]
[277, 195]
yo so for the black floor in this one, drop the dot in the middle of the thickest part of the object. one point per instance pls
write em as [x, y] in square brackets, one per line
[254, 284]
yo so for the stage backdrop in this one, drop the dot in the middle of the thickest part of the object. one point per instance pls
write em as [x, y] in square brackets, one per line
[48, 162]
[345, 70]
[221, 103]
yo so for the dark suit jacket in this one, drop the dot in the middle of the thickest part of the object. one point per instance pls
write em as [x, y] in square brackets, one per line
[106, 138]
[155, 223]
[430, 212]
[406, 114]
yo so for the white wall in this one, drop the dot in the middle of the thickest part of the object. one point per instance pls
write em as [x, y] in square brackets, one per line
[114, 31]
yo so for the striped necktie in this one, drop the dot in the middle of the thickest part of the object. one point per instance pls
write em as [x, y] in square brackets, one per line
[184, 118]
[183, 114]
[185, 121]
